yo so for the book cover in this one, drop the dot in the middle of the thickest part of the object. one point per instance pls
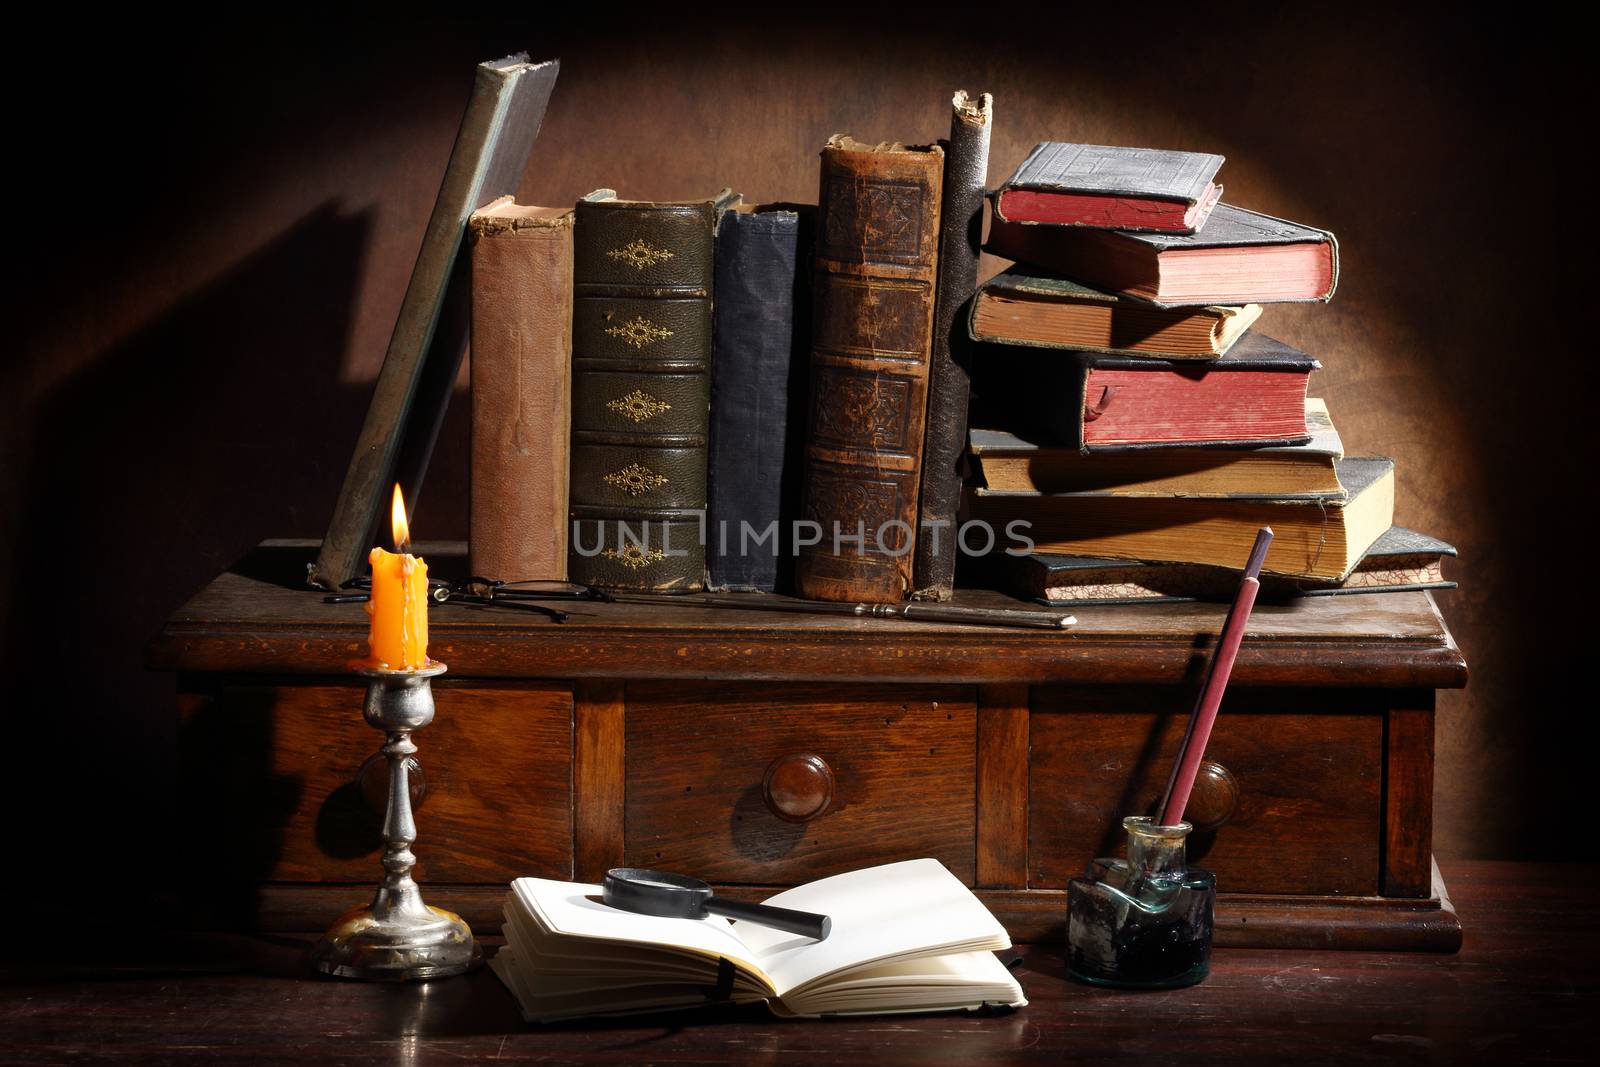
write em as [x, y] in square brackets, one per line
[1023, 306]
[1241, 257]
[1399, 560]
[966, 167]
[497, 132]
[641, 353]
[1313, 538]
[876, 259]
[521, 390]
[1111, 187]
[1004, 462]
[1253, 395]
[760, 326]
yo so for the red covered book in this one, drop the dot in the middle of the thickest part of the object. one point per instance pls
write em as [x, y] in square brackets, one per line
[1242, 257]
[1109, 187]
[1254, 395]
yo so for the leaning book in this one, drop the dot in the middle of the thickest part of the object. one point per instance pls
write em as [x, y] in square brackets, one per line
[906, 937]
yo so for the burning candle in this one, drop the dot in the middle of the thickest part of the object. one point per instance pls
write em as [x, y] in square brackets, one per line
[399, 601]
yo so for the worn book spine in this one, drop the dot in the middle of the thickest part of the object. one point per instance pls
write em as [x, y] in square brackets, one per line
[521, 391]
[760, 322]
[641, 353]
[966, 170]
[876, 260]
[419, 369]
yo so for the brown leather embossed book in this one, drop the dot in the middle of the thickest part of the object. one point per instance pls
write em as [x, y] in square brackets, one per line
[641, 359]
[876, 258]
[521, 390]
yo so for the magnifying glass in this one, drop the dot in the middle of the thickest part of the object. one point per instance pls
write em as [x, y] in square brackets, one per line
[675, 896]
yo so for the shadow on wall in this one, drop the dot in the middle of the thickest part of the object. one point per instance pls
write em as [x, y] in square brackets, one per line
[115, 507]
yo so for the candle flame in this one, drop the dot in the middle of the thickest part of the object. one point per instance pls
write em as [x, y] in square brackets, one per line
[397, 519]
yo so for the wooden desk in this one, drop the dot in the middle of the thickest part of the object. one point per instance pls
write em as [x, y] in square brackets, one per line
[1521, 990]
[644, 735]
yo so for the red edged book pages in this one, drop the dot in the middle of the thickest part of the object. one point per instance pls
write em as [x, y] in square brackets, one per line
[876, 260]
[1110, 187]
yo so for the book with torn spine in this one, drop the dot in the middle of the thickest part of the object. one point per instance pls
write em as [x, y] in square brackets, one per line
[1023, 306]
[1400, 560]
[1004, 462]
[906, 937]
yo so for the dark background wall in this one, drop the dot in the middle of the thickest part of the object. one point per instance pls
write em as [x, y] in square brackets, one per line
[215, 235]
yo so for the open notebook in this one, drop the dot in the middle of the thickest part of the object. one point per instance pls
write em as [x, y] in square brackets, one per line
[906, 937]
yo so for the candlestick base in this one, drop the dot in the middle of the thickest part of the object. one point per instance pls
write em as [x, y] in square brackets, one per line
[398, 938]
[413, 948]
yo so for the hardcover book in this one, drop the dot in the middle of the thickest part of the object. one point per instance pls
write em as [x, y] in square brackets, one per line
[1400, 560]
[1024, 307]
[1254, 395]
[760, 326]
[521, 390]
[966, 167]
[641, 353]
[419, 370]
[906, 937]
[876, 258]
[1111, 187]
[1241, 257]
[1004, 462]
[1312, 538]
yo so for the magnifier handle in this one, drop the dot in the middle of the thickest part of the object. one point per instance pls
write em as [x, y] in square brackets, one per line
[805, 923]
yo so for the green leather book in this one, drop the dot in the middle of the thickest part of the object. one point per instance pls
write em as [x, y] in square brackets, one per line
[641, 358]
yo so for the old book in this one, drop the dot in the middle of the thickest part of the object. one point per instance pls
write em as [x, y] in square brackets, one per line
[1241, 257]
[876, 257]
[1399, 560]
[1313, 538]
[1111, 187]
[760, 340]
[521, 390]
[966, 167]
[1023, 306]
[1254, 395]
[1004, 462]
[905, 937]
[419, 370]
[641, 356]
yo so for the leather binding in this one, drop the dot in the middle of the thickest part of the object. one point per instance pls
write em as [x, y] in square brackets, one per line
[497, 132]
[1050, 404]
[876, 258]
[641, 353]
[521, 390]
[966, 169]
[760, 328]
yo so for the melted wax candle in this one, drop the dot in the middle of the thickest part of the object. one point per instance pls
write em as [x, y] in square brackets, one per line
[399, 602]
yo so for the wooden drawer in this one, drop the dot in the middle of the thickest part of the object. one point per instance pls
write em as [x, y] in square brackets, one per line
[1308, 763]
[269, 775]
[901, 758]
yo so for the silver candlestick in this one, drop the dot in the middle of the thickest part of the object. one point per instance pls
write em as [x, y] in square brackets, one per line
[397, 937]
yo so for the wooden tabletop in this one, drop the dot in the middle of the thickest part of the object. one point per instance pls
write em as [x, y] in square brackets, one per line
[1523, 989]
[260, 617]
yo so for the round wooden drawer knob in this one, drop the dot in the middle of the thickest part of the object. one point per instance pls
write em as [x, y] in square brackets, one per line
[1215, 797]
[798, 787]
[373, 781]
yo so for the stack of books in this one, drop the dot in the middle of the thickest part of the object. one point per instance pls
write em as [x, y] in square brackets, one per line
[1131, 421]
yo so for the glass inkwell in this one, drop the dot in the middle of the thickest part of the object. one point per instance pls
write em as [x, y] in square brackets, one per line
[1144, 922]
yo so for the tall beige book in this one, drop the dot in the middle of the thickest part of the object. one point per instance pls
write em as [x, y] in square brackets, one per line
[521, 390]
